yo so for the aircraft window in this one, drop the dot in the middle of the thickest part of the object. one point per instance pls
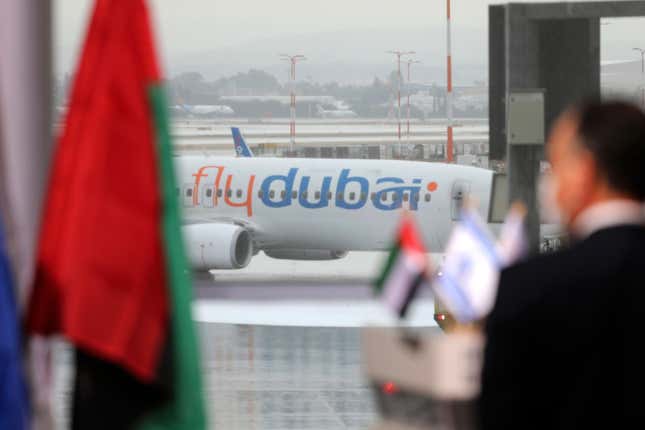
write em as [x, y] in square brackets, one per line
[329, 195]
[352, 196]
[406, 197]
[363, 197]
[209, 192]
[219, 192]
[271, 194]
[339, 196]
[395, 197]
[373, 196]
[260, 194]
[282, 194]
[428, 197]
[416, 197]
[238, 193]
[229, 192]
[304, 195]
[294, 194]
[384, 196]
[189, 192]
[317, 195]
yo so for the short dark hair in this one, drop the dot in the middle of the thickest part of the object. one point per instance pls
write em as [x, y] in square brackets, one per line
[614, 133]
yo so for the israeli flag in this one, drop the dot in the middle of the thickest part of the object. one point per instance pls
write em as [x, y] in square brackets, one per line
[513, 244]
[467, 283]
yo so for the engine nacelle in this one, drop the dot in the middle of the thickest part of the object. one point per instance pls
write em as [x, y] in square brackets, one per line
[305, 254]
[217, 246]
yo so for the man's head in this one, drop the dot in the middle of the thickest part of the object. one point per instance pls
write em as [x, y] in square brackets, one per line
[597, 153]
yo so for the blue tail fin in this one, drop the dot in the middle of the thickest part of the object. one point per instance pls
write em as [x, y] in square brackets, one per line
[241, 148]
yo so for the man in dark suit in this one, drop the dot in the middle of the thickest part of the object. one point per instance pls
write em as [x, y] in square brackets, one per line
[565, 337]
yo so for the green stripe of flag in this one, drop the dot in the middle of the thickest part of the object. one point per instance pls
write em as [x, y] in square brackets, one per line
[391, 260]
[186, 409]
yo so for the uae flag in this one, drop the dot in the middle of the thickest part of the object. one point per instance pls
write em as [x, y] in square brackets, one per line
[405, 270]
[111, 273]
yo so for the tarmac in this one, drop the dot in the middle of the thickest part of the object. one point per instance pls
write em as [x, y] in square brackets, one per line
[280, 345]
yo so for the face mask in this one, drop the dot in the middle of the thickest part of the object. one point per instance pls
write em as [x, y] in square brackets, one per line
[550, 212]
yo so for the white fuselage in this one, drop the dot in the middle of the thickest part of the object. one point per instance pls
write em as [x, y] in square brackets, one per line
[328, 204]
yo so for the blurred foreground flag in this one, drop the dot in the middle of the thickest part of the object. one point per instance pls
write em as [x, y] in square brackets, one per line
[25, 132]
[467, 285]
[111, 272]
[513, 244]
[406, 268]
[14, 411]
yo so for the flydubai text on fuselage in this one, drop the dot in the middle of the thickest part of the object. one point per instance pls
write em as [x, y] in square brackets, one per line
[327, 204]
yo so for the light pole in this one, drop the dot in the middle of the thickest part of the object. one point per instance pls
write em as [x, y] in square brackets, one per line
[399, 54]
[292, 59]
[449, 146]
[409, 62]
[642, 52]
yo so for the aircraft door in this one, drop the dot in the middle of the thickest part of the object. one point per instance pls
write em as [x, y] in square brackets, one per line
[458, 194]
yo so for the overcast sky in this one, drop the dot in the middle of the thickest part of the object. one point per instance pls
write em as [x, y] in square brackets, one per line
[224, 35]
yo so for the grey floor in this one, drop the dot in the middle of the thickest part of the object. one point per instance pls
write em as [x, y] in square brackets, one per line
[266, 377]
[260, 377]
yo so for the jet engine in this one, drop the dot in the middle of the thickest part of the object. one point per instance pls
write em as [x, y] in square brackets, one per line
[217, 246]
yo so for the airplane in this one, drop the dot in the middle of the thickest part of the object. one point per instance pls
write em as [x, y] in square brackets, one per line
[316, 209]
[241, 148]
[335, 113]
[204, 111]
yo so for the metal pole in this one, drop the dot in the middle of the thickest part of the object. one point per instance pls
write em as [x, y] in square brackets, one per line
[292, 59]
[642, 52]
[408, 83]
[449, 146]
[398, 113]
[292, 137]
[410, 62]
[399, 54]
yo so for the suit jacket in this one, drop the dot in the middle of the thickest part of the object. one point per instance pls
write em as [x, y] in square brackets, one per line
[566, 338]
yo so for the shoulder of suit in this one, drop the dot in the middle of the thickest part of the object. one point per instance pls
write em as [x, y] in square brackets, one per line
[523, 286]
[586, 265]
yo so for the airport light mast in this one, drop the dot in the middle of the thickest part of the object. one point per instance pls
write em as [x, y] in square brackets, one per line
[449, 145]
[399, 54]
[410, 62]
[642, 52]
[293, 60]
